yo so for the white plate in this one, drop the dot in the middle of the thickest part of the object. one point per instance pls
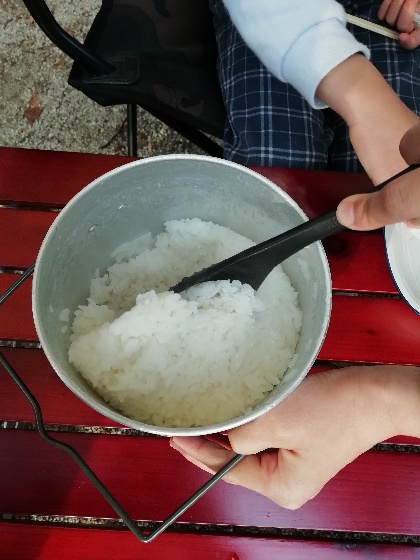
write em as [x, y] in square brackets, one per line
[403, 253]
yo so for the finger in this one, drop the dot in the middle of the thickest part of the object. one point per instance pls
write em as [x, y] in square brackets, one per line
[253, 472]
[384, 8]
[393, 12]
[263, 433]
[409, 41]
[397, 202]
[405, 19]
[281, 476]
[280, 427]
[208, 455]
[221, 439]
[410, 145]
[415, 223]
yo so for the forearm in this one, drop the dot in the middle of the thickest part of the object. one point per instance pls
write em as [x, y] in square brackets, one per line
[389, 400]
[357, 91]
[402, 395]
[368, 404]
[300, 41]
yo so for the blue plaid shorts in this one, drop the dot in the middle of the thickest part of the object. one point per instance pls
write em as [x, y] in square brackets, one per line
[270, 124]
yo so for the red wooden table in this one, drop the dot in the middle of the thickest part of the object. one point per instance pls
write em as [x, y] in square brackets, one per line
[50, 510]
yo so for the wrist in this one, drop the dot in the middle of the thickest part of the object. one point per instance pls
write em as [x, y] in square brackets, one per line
[405, 400]
[356, 90]
[394, 392]
[376, 117]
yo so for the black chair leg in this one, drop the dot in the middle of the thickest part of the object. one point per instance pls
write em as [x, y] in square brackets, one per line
[190, 133]
[195, 136]
[132, 129]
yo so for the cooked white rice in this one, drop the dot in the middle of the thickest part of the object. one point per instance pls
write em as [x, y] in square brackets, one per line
[182, 361]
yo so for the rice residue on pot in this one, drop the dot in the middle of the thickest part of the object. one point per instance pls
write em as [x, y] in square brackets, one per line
[196, 359]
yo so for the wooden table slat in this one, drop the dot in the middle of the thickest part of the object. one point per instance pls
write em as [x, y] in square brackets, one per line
[358, 264]
[52, 178]
[316, 191]
[376, 330]
[49, 178]
[378, 492]
[16, 321]
[21, 235]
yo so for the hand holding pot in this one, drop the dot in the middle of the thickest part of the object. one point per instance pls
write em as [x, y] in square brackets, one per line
[328, 421]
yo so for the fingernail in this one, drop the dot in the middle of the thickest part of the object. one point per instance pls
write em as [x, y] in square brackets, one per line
[345, 213]
[414, 223]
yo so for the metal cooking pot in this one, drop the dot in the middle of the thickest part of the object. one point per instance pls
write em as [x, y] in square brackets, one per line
[138, 198]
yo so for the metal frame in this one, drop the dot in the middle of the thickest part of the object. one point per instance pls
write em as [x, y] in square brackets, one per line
[81, 463]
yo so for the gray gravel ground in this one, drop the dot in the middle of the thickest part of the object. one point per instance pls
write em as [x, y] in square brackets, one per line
[40, 110]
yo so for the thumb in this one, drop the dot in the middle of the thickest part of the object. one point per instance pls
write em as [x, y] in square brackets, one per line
[397, 202]
[410, 41]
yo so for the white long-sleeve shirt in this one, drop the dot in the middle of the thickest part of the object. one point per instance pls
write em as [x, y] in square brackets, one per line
[299, 41]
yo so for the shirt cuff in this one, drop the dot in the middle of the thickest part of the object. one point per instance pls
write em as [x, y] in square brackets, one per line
[320, 49]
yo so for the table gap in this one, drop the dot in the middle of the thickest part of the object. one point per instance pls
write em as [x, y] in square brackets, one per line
[212, 529]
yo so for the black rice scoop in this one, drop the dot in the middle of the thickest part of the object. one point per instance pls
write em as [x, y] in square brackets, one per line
[253, 265]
